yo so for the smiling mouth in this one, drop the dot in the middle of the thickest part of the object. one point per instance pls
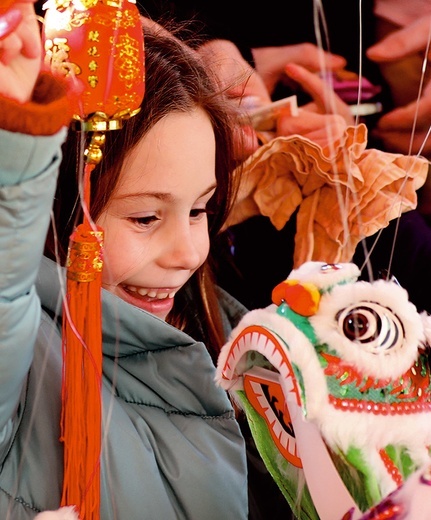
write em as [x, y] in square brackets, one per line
[150, 293]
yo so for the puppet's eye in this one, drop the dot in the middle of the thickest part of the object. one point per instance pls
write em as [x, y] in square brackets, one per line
[375, 327]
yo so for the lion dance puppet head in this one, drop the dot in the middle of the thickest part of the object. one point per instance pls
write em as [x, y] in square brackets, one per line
[334, 378]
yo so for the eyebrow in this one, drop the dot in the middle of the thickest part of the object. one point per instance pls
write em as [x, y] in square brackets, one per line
[160, 195]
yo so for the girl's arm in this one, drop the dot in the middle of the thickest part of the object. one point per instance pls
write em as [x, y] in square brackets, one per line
[33, 110]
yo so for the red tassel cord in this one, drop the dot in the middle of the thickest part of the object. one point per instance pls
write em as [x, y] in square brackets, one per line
[82, 369]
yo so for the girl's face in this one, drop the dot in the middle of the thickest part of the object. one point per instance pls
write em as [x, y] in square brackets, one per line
[156, 229]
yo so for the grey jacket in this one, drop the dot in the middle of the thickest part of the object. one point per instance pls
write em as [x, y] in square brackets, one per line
[172, 448]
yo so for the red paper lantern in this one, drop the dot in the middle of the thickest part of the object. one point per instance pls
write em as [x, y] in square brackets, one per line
[5, 5]
[98, 46]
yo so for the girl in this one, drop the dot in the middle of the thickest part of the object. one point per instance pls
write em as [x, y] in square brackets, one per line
[171, 445]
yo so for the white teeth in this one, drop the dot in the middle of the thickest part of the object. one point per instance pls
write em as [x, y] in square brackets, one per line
[151, 293]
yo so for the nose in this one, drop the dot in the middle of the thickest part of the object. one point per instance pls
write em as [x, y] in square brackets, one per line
[185, 248]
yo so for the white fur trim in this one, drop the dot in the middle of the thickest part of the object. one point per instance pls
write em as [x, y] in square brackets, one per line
[389, 363]
[324, 279]
[300, 352]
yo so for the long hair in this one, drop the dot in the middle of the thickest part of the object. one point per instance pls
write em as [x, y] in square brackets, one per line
[176, 81]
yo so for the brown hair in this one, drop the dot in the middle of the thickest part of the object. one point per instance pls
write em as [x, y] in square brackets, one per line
[176, 81]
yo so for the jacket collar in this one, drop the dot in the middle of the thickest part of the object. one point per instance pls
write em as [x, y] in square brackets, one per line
[138, 329]
[145, 360]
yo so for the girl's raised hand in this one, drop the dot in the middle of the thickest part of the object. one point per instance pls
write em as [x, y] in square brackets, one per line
[20, 51]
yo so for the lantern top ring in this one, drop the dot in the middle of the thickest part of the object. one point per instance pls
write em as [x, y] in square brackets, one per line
[100, 122]
[96, 126]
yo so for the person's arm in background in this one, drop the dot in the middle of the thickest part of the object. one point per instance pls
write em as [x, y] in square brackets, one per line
[323, 119]
[404, 129]
[240, 82]
[270, 62]
[403, 42]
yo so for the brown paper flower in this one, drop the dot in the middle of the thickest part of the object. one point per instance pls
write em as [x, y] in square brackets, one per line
[344, 192]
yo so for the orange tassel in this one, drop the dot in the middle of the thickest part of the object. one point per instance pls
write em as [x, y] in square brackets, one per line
[82, 370]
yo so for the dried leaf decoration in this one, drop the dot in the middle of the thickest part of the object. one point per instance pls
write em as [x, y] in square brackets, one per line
[343, 192]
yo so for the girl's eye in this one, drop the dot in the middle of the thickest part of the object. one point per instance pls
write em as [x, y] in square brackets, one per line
[144, 221]
[194, 213]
